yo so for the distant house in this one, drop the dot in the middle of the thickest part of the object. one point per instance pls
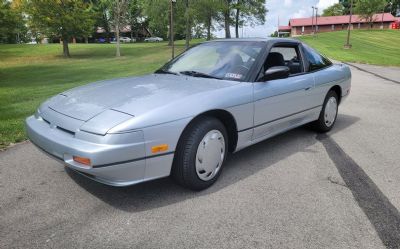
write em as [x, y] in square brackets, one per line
[285, 30]
[141, 32]
[304, 26]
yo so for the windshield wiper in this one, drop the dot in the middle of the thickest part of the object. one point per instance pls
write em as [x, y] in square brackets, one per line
[199, 74]
[165, 71]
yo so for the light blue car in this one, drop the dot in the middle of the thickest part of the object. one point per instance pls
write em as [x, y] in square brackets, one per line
[184, 119]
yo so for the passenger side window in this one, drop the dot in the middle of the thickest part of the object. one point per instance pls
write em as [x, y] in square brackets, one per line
[284, 56]
[315, 60]
[288, 53]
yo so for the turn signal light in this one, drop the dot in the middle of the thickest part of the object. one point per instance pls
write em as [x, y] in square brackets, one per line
[82, 160]
[159, 148]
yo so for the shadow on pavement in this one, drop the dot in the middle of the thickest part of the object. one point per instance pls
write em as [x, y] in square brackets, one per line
[239, 166]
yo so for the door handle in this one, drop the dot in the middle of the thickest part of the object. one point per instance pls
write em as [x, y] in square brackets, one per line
[307, 88]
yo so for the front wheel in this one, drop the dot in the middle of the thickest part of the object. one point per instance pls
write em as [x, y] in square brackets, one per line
[328, 115]
[200, 154]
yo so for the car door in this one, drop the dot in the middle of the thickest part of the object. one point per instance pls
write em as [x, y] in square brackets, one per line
[283, 103]
[320, 67]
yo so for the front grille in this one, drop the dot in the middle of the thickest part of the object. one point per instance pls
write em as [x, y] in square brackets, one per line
[60, 128]
[46, 121]
[65, 130]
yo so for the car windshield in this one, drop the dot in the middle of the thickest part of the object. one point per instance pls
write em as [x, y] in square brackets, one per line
[221, 60]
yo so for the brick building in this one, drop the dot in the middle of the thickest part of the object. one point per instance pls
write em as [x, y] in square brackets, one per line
[303, 26]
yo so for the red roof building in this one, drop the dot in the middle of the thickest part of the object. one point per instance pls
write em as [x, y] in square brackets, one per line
[302, 26]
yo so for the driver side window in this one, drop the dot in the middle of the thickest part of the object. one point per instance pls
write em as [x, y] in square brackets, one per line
[284, 56]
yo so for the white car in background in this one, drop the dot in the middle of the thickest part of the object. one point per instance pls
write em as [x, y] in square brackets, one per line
[127, 39]
[153, 39]
[33, 41]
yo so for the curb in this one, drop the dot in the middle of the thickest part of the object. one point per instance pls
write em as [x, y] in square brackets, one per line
[377, 75]
[13, 145]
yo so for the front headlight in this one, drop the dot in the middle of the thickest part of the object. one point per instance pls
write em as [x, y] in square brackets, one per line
[111, 139]
[105, 121]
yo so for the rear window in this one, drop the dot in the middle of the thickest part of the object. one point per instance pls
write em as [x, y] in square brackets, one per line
[315, 60]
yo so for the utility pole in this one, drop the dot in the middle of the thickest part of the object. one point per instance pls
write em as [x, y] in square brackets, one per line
[348, 45]
[316, 20]
[172, 28]
[278, 26]
[312, 20]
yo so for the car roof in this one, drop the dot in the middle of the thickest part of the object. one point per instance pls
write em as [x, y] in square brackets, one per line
[256, 39]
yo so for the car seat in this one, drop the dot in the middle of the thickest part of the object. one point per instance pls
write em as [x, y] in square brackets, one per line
[274, 59]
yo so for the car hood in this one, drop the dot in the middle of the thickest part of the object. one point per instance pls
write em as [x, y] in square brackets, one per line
[133, 96]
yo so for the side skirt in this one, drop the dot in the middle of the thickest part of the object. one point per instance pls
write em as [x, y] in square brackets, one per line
[276, 127]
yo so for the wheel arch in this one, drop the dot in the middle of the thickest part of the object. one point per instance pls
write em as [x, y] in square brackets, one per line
[226, 118]
[338, 90]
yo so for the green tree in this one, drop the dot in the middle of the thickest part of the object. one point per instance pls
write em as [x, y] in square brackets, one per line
[191, 7]
[367, 8]
[249, 12]
[226, 14]
[393, 6]
[206, 13]
[135, 17]
[12, 23]
[103, 17]
[158, 14]
[275, 34]
[346, 6]
[189, 23]
[119, 19]
[241, 12]
[62, 18]
[193, 15]
[334, 10]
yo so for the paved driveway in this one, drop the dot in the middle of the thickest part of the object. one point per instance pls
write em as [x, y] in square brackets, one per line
[297, 190]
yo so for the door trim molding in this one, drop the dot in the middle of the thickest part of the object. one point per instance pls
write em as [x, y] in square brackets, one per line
[255, 126]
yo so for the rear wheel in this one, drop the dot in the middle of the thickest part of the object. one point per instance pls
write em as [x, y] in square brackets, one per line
[328, 115]
[200, 154]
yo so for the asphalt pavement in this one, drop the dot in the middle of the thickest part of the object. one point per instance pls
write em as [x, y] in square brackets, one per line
[297, 190]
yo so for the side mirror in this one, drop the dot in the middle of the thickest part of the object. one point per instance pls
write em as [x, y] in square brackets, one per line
[278, 72]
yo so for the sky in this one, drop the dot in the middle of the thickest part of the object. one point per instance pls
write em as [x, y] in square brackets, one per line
[284, 9]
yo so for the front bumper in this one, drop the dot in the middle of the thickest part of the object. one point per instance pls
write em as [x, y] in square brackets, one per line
[114, 163]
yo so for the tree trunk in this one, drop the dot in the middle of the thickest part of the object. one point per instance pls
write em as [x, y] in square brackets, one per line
[118, 52]
[106, 29]
[107, 34]
[370, 22]
[137, 32]
[237, 22]
[86, 39]
[227, 24]
[66, 48]
[209, 28]
[188, 25]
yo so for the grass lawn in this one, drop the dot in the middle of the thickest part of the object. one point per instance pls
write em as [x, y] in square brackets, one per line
[369, 46]
[29, 74]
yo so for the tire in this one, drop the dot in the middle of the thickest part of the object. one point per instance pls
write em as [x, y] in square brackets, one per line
[198, 167]
[328, 115]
